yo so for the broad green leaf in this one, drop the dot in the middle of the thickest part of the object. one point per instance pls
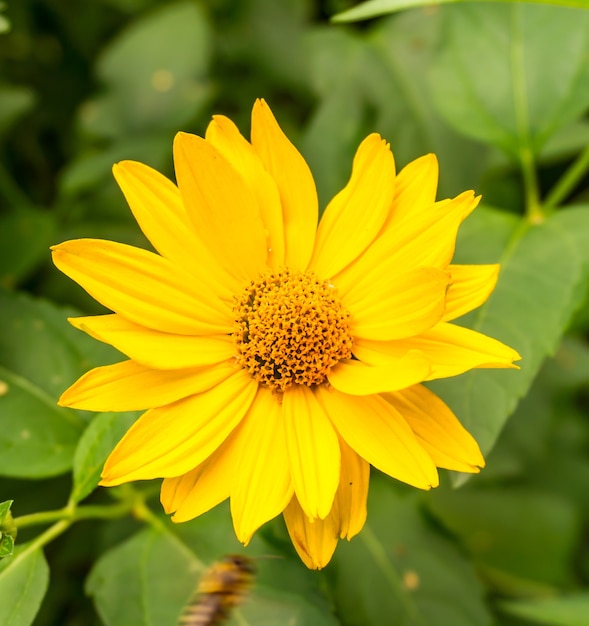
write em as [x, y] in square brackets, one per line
[375, 8]
[568, 610]
[491, 524]
[496, 80]
[155, 73]
[38, 344]
[144, 581]
[25, 236]
[37, 438]
[14, 101]
[399, 570]
[542, 282]
[23, 583]
[97, 442]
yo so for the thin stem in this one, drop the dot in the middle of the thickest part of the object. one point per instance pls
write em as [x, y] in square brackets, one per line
[390, 574]
[520, 101]
[72, 514]
[568, 180]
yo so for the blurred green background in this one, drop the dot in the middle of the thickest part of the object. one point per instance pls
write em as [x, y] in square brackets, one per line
[85, 84]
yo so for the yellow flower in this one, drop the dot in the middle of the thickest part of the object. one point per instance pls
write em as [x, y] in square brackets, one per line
[278, 359]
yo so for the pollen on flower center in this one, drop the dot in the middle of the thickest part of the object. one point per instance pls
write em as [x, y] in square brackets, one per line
[290, 328]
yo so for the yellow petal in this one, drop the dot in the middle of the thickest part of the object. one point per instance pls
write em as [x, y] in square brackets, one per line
[174, 439]
[470, 286]
[295, 185]
[379, 434]
[313, 451]
[262, 487]
[359, 379]
[450, 349]
[429, 240]
[221, 206]
[398, 306]
[157, 206]
[352, 493]
[355, 216]
[143, 287]
[314, 541]
[201, 489]
[129, 386]
[154, 348]
[225, 136]
[437, 428]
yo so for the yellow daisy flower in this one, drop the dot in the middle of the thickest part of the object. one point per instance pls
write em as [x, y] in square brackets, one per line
[279, 358]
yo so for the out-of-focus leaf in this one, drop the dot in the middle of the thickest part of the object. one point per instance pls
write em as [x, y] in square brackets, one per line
[569, 610]
[489, 523]
[497, 81]
[24, 577]
[155, 72]
[144, 581]
[375, 8]
[14, 101]
[400, 571]
[25, 236]
[37, 438]
[542, 281]
[97, 442]
[38, 344]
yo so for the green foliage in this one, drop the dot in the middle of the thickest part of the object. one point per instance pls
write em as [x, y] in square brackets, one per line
[500, 92]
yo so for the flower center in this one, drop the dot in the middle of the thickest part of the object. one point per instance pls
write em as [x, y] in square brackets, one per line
[290, 328]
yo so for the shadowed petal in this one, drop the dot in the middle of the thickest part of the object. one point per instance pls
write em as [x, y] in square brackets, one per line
[174, 439]
[437, 428]
[314, 541]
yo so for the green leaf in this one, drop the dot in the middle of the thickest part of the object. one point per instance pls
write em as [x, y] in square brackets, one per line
[496, 80]
[542, 282]
[38, 344]
[489, 523]
[569, 610]
[23, 582]
[37, 438]
[25, 237]
[14, 101]
[97, 442]
[400, 571]
[144, 581]
[155, 71]
[375, 8]
[6, 545]
[5, 510]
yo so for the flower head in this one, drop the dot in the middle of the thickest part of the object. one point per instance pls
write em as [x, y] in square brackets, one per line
[278, 358]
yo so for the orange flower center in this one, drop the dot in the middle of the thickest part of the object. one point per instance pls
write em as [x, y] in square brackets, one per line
[290, 329]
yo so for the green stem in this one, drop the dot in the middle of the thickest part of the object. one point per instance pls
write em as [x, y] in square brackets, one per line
[390, 574]
[525, 152]
[73, 514]
[568, 181]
